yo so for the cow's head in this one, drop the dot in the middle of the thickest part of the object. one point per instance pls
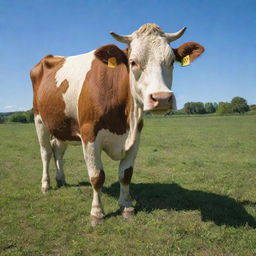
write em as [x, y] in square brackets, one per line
[151, 64]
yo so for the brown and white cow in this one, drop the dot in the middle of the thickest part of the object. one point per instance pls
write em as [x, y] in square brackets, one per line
[98, 98]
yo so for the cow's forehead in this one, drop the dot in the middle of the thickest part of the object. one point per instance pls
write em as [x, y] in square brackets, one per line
[149, 48]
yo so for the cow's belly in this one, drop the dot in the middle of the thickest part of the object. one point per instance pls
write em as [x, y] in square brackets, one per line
[113, 144]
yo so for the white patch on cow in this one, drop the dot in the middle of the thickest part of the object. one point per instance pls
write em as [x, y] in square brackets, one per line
[111, 143]
[74, 70]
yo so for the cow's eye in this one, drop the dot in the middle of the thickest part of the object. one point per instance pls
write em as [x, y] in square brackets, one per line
[133, 63]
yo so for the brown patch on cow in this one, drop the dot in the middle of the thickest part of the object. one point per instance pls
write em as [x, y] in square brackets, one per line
[105, 98]
[192, 49]
[36, 74]
[140, 125]
[127, 176]
[97, 182]
[48, 99]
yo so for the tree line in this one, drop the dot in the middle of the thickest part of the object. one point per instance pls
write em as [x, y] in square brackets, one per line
[237, 105]
[20, 117]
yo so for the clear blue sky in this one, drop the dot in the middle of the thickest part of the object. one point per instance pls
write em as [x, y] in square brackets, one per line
[31, 29]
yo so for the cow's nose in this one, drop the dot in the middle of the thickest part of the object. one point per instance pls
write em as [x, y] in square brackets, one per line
[161, 100]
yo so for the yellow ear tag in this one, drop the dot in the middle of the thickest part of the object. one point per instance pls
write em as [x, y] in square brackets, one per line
[112, 62]
[185, 61]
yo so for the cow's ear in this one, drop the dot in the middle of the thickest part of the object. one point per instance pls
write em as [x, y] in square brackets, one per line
[188, 52]
[111, 55]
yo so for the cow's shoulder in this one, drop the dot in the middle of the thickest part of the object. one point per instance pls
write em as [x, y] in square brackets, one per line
[104, 101]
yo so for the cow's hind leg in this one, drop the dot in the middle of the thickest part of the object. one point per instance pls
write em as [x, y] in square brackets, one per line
[45, 150]
[92, 155]
[59, 148]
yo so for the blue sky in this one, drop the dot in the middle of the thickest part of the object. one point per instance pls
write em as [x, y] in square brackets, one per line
[31, 29]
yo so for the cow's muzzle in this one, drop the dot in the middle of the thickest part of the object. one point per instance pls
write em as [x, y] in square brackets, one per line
[160, 101]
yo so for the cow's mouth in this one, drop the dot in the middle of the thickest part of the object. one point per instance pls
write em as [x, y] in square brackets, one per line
[158, 111]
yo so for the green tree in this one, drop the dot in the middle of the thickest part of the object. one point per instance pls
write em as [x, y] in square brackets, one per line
[29, 116]
[187, 108]
[209, 107]
[18, 117]
[239, 105]
[215, 105]
[194, 108]
[199, 108]
[224, 108]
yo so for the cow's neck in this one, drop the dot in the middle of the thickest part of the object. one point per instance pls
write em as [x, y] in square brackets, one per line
[135, 117]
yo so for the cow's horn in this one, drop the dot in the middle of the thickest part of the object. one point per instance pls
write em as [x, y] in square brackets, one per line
[174, 36]
[123, 39]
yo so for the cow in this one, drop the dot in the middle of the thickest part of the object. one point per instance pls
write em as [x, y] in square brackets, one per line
[97, 99]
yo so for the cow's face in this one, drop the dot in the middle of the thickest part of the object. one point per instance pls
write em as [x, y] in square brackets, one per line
[151, 62]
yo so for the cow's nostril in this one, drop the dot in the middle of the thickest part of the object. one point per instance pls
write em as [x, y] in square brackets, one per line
[152, 98]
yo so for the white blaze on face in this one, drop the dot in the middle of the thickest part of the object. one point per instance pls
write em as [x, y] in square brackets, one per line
[151, 61]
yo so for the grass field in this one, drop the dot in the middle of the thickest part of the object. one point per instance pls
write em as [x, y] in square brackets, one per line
[194, 187]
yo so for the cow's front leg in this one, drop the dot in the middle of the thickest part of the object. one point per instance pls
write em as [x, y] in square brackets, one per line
[125, 176]
[92, 155]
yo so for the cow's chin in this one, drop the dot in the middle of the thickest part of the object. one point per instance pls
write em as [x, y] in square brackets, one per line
[157, 110]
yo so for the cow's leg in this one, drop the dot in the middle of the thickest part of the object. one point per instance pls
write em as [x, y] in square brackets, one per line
[59, 148]
[125, 176]
[46, 151]
[92, 155]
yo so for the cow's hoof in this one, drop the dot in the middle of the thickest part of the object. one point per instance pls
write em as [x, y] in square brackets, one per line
[96, 221]
[128, 212]
[44, 190]
[60, 183]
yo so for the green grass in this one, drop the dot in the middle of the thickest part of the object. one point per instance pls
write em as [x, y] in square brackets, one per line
[193, 185]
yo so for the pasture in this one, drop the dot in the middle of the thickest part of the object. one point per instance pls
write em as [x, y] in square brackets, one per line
[193, 187]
